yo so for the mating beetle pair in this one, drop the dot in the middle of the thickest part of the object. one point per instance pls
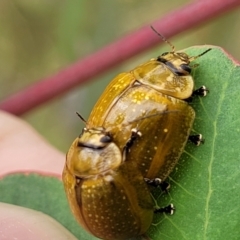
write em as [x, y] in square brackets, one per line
[137, 129]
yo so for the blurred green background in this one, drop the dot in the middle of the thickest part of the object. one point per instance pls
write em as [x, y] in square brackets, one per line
[39, 37]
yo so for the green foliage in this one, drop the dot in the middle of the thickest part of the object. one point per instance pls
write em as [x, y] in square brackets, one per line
[45, 194]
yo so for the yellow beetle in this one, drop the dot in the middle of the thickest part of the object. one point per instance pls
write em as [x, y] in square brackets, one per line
[107, 193]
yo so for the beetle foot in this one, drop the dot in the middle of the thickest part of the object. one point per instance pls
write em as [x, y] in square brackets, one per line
[196, 139]
[165, 186]
[202, 92]
[134, 135]
[157, 182]
[168, 209]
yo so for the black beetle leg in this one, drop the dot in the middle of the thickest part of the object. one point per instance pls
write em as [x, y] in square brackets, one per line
[196, 139]
[135, 134]
[202, 92]
[157, 182]
[168, 209]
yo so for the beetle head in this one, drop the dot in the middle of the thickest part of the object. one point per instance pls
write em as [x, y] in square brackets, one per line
[177, 62]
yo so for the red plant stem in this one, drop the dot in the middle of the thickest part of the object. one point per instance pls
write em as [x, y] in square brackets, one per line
[80, 72]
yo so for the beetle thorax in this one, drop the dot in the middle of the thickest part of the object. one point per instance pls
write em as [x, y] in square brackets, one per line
[94, 154]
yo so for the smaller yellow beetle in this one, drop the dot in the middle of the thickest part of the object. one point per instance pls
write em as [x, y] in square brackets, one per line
[107, 193]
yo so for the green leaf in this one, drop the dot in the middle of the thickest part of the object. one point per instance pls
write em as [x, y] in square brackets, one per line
[205, 184]
[45, 194]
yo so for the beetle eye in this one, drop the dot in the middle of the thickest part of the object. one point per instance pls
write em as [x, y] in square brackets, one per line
[106, 139]
[186, 68]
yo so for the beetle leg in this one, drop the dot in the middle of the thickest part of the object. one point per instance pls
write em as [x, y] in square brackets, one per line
[196, 139]
[202, 91]
[157, 182]
[134, 135]
[168, 209]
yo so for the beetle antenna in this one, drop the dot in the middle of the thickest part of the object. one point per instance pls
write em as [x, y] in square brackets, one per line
[81, 117]
[163, 38]
[195, 57]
